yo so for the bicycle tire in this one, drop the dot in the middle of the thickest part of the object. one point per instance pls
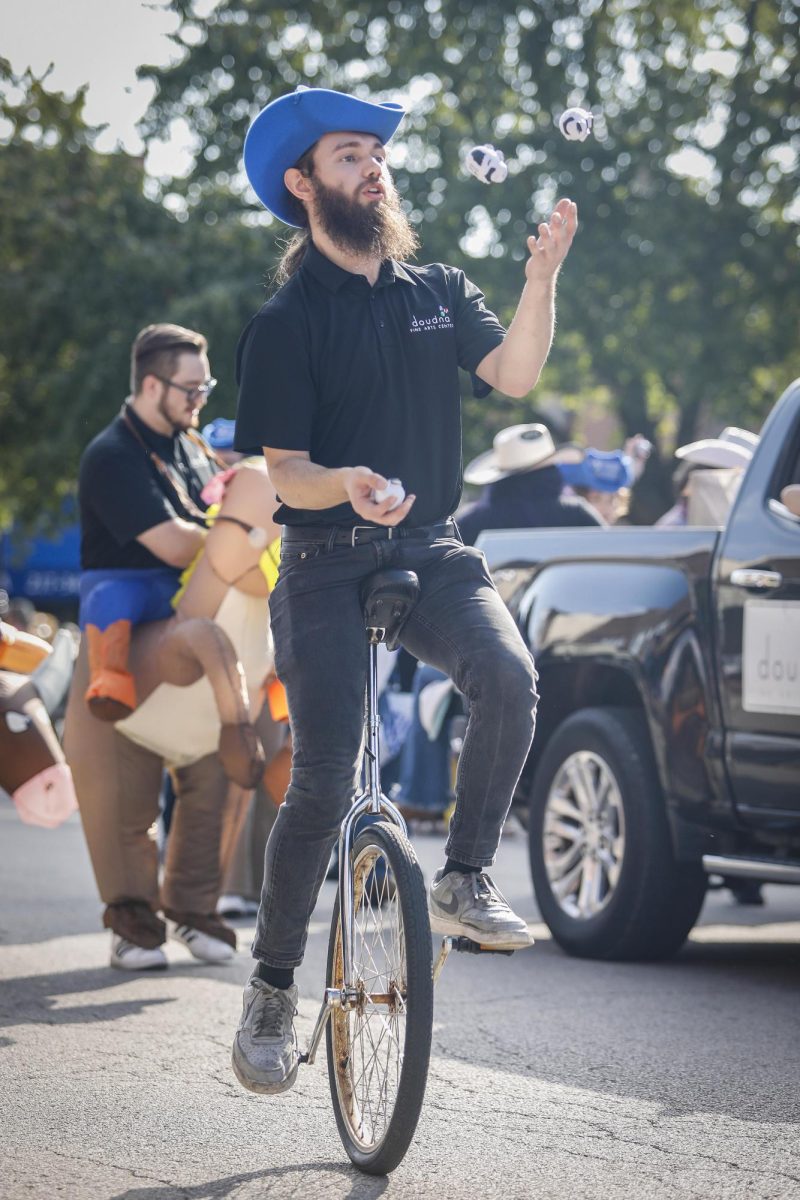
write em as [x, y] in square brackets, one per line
[376, 1105]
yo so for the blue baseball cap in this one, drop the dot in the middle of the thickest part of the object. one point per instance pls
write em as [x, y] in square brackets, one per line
[219, 433]
[600, 470]
[283, 131]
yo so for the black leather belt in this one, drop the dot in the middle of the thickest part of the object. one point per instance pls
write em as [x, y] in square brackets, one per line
[341, 535]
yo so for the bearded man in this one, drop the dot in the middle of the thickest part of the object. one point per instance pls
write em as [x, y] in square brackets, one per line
[349, 377]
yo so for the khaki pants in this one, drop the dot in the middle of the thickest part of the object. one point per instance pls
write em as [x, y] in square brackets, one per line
[117, 785]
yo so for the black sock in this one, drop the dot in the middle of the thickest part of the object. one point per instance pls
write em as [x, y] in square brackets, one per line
[453, 864]
[279, 977]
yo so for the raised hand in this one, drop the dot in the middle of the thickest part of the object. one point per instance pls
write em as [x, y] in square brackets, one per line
[550, 248]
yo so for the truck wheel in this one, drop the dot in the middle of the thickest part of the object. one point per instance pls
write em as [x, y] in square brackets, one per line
[605, 877]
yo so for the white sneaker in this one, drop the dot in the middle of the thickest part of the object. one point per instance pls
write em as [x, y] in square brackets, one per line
[201, 945]
[127, 956]
[236, 906]
[469, 905]
[265, 1056]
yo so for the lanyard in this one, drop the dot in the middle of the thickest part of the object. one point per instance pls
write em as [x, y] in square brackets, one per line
[184, 499]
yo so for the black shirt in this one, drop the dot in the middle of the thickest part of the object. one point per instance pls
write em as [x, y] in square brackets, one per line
[366, 376]
[122, 493]
[525, 500]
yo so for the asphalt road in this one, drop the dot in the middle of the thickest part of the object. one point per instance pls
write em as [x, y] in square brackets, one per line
[550, 1077]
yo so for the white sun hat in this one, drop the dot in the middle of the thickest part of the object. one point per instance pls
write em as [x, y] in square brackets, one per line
[733, 448]
[519, 448]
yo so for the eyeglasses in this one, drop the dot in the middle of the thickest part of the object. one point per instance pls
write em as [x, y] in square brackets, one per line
[192, 393]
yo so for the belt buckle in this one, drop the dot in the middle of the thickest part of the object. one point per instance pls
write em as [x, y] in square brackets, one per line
[390, 532]
[354, 531]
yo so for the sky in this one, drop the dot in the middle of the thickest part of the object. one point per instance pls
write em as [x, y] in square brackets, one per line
[99, 42]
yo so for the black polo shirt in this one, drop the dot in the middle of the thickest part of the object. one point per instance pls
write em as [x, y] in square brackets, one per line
[122, 494]
[366, 376]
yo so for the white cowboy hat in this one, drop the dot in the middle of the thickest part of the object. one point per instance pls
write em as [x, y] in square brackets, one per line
[733, 448]
[519, 448]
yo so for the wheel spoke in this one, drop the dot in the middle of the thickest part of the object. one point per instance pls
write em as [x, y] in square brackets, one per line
[558, 864]
[589, 894]
[568, 882]
[577, 783]
[562, 829]
[562, 804]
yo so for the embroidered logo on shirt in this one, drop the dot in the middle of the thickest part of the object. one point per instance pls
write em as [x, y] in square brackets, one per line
[442, 320]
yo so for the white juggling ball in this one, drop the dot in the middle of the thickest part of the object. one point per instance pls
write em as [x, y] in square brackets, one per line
[576, 124]
[487, 164]
[394, 488]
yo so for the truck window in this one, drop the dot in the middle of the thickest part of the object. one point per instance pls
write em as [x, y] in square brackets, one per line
[786, 500]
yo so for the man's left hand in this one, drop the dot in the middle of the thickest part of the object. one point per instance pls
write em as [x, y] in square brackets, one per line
[550, 248]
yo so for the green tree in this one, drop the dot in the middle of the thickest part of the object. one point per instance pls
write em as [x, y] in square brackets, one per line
[679, 301]
[88, 261]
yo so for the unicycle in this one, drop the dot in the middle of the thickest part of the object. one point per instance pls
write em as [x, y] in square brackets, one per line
[377, 1012]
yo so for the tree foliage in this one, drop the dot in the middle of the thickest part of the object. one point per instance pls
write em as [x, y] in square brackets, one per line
[679, 300]
[88, 260]
[677, 305]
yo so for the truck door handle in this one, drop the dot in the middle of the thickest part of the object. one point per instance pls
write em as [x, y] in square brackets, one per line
[746, 577]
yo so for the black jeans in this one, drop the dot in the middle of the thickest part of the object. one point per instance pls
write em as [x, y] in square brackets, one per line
[460, 625]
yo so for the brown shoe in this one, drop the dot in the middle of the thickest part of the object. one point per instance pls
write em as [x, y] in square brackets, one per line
[135, 921]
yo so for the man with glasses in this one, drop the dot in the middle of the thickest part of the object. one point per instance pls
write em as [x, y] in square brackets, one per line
[142, 521]
[142, 515]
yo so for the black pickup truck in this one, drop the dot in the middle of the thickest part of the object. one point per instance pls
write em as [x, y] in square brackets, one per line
[668, 740]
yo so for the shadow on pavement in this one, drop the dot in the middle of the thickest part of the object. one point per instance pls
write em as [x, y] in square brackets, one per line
[31, 1000]
[699, 1033]
[364, 1187]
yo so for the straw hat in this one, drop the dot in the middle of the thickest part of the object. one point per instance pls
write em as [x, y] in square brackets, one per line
[516, 449]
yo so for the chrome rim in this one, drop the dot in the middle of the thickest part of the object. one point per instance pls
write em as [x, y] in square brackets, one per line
[584, 835]
[369, 1036]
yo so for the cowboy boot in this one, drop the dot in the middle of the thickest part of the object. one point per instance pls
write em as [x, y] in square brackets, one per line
[111, 694]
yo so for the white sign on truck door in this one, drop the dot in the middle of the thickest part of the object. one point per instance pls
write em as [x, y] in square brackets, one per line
[771, 656]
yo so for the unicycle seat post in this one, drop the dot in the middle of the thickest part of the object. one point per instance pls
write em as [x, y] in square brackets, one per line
[373, 724]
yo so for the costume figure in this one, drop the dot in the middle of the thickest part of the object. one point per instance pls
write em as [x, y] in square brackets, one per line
[197, 673]
[34, 678]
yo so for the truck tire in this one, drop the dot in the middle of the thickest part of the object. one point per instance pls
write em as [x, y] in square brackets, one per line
[606, 880]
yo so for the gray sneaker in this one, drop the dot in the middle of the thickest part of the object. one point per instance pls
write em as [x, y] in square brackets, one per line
[265, 1057]
[471, 906]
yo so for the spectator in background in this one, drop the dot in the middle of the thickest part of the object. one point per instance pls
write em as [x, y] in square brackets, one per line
[603, 479]
[708, 477]
[523, 488]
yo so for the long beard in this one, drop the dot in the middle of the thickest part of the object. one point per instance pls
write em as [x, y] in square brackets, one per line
[366, 230]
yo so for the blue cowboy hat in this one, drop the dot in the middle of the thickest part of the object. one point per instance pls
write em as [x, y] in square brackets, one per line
[600, 471]
[290, 125]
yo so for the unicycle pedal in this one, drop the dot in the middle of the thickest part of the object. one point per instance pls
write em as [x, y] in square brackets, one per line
[465, 945]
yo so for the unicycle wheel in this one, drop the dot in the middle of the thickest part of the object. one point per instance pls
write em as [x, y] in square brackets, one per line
[379, 1046]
